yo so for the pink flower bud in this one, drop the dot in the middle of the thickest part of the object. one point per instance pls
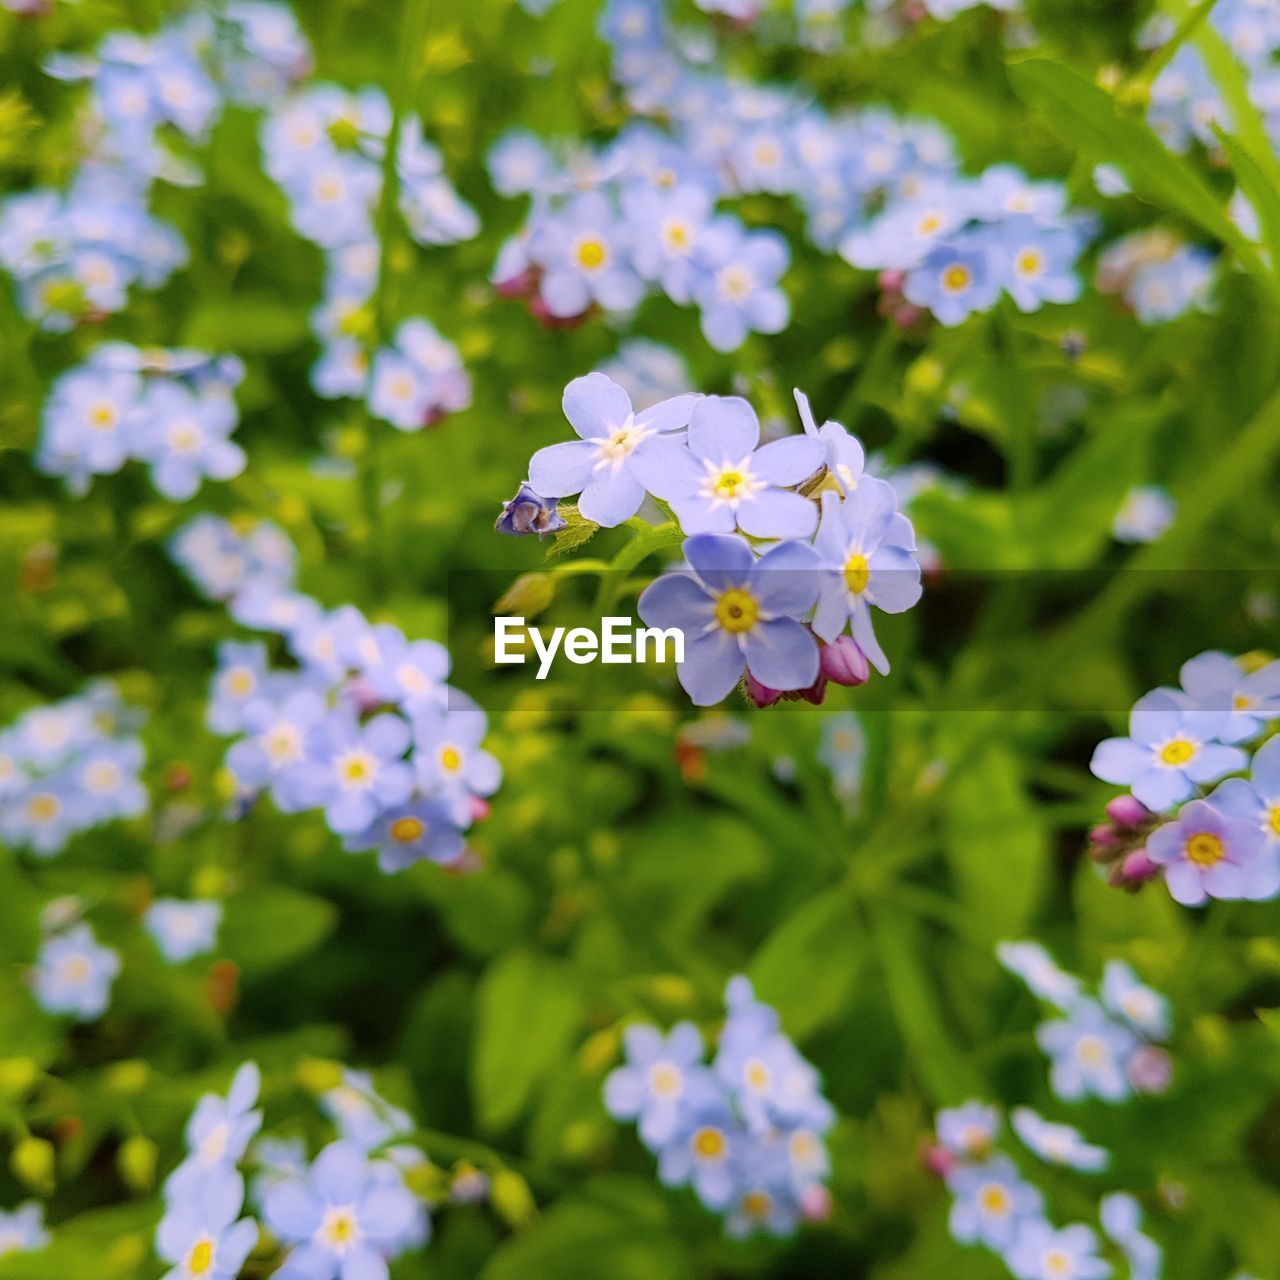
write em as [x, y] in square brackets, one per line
[815, 1203]
[1151, 1070]
[1125, 811]
[938, 1160]
[1138, 866]
[362, 694]
[758, 694]
[843, 662]
[1105, 834]
[479, 808]
[518, 286]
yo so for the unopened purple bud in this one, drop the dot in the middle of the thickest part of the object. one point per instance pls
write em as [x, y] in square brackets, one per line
[362, 694]
[938, 1160]
[759, 695]
[529, 512]
[843, 662]
[1151, 1070]
[815, 1203]
[1135, 871]
[1105, 834]
[1125, 811]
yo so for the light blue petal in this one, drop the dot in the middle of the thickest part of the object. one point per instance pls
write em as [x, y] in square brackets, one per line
[562, 469]
[782, 654]
[723, 428]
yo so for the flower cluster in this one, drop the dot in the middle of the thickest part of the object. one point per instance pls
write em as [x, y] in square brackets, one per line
[746, 1131]
[173, 410]
[646, 221]
[1186, 103]
[607, 228]
[952, 245]
[76, 254]
[248, 564]
[364, 727]
[1107, 1047]
[995, 1206]
[345, 1214]
[68, 766]
[365, 730]
[325, 147]
[1219, 843]
[1159, 277]
[840, 546]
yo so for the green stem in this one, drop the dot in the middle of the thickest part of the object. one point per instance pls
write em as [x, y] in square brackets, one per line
[1165, 54]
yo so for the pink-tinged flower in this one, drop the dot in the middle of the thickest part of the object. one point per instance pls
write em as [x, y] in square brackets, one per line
[1207, 855]
[843, 662]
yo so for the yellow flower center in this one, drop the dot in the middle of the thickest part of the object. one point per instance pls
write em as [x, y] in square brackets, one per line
[282, 744]
[757, 1074]
[450, 759]
[1057, 1263]
[995, 1199]
[240, 682]
[1274, 820]
[103, 776]
[200, 1260]
[184, 437]
[1242, 702]
[407, 829]
[956, 278]
[756, 1204]
[1030, 262]
[1091, 1051]
[356, 769]
[103, 416]
[1177, 752]
[729, 485]
[1205, 849]
[664, 1080]
[735, 282]
[856, 573]
[676, 234]
[709, 1144]
[42, 807]
[339, 1229]
[75, 969]
[929, 224]
[737, 610]
[804, 1146]
[622, 443]
[592, 253]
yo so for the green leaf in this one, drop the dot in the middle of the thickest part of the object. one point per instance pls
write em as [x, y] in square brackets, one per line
[996, 846]
[253, 323]
[269, 926]
[527, 1012]
[1256, 181]
[577, 532]
[808, 965]
[900, 948]
[1087, 117]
